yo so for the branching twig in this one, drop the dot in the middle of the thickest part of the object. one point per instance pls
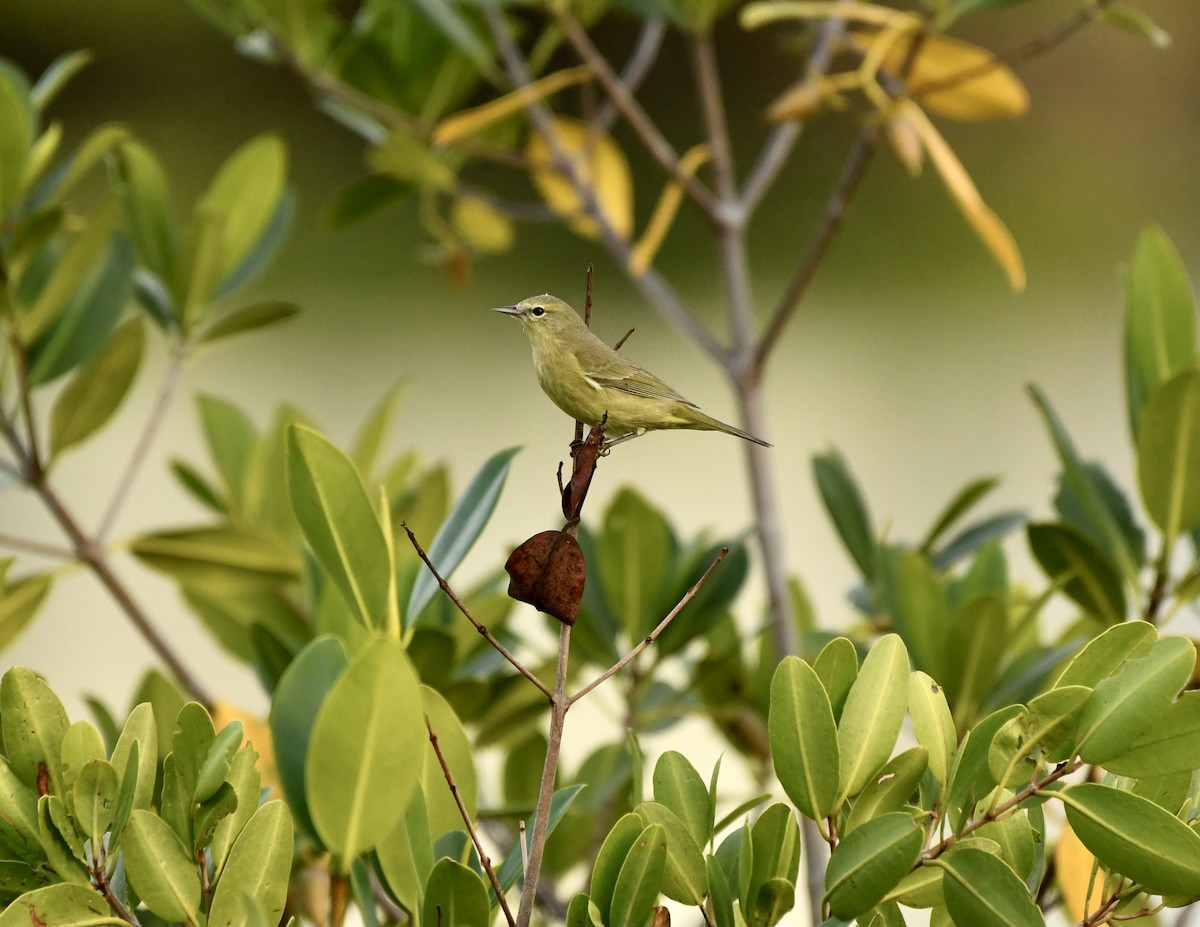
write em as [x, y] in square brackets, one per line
[644, 53]
[652, 636]
[481, 628]
[35, 547]
[466, 818]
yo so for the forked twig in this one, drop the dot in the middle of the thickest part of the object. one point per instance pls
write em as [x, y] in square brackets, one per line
[479, 626]
[466, 817]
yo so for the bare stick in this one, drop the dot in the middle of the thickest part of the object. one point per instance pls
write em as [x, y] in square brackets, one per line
[466, 817]
[652, 636]
[645, 51]
[35, 547]
[559, 703]
[482, 629]
[624, 338]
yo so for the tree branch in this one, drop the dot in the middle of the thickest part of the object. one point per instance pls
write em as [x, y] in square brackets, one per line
[645, 51]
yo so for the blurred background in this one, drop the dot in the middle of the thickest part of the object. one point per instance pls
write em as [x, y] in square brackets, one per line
[910, 353]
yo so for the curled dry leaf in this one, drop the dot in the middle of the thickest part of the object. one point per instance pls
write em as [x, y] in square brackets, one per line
[599, 164]
[548, 572]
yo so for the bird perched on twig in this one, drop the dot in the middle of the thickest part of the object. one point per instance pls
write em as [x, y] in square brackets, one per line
[587, 379]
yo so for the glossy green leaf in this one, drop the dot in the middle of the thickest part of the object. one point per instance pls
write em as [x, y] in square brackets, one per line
[932, 724]
[982, 890]
[912, 594]
[19, 603]
[640, 878]
[1091, 579]
[1107, 651]
[962, 502]
[456, 749]
[248, 319]
[609, 860]
[873, 714]
[1124, 705]
[970, 779]
[97, 389]
[803, 738]
[1135, 837]
[406, 855]
[34, 723]
[454, 894]
[215, 767]
[1014, 836]
[461, 529]
[360, 772]
[259, 865]
[579, 912]
[246, 783]
[846, 508]
[1052, 717]
[773, 856]
[142, 189]
[339, 523]
[890, 789]
[18, 814]
[61, 843]
[678, 786]
[977, 636]
[61, 905]
[160, 869]
[1171, 744]
[245, 193]
[16, 136]
[138, 743]
[1116, 506]
[921, 888]
[87, 319]
[1168, 455]
[226, 557]
[636, 549]
[837, 668]
[59, 281]
[95, 798]
[1160, 319]
[685, 878]
[869, 862]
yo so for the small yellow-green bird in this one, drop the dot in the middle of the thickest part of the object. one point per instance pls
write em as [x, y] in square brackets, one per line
[586, 378]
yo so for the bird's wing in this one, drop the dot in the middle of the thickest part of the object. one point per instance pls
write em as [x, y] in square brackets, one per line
[616, 372]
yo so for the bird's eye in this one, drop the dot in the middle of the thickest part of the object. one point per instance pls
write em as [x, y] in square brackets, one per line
[538, 310]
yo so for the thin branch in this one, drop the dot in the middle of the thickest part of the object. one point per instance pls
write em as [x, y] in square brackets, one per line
[35, 547]
[466, 818]
[659, 148]
[668, 303]
[653, 635]
[166, 391]
[623, 339]
[645, 52]
[482, 629]
[559, 703]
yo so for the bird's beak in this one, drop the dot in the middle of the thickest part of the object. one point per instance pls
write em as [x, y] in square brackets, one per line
[510, 310]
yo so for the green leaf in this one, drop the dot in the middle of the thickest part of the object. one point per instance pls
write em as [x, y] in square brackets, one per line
[932, 723]
[1171, 744]
[955, 509]
[456, 749]
[142, 189]
[18, 815]
[774, 856]
[231, 438]
[339, 523]
[215, 767]
[461, 529]
[846, 507]
[259, 865]
[166, 702]
[685, 878]
[360, 772]
[970, 778]
[16, 137]
[1107, 651]
[81, 744]
[678, 786]
[1124, 705]
[982, 890]
[223, 559]
[510, 870]
[248, 319]
[837, 668]
[637, 549]
[97, 389]
[61, 905]
[978, 635]
[1014, 835]
[19, 602]
[640, 878]
[138, 744]
[1135, 837]
[1135, 21]
[88, 317]
[160, 869]
[1116, 505]
[1168, 454]
[406, 855]
[873, 714]
[803, 738]
[1160, 319]
[245, 781]
[454, 894]
[1051, 720]
[373, 433]
[913, 595]
[891, 789]
[458, 30]
[57, 75]
[1089, 577]
[34, 724]
[609, 860]
[578, 913]
[364, 197]
[868, 863]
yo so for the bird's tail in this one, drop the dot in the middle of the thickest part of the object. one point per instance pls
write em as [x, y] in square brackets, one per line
[707, 421]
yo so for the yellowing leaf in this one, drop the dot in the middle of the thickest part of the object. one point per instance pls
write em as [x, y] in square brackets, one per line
[1074, 865]
[404, 156]
[906, 143]
[801, 100]
[459, 125]
[759, 14]
[599, 165]
[994, 234]
[964, 81]
[482, 225]
[664, 212]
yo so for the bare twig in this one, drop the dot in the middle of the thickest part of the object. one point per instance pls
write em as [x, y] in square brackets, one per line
[559, 703]
[652, 636]
[466, 818]
[623, 339]
[644, 53]
[35, 547]
[482, 629]
[166, 391]
[641, 123]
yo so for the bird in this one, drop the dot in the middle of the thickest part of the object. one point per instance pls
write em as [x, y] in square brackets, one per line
[588, 380]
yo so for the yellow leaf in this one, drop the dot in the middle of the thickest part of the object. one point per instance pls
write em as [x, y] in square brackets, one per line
[759, 14]
[906, 143]
[483, 226]
[965, 81]
[406, 157]
[1074, 865]
[468, 121]
[801, 100]
[257, 733]
[664, 212]
[599, 165]
[994, 234]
